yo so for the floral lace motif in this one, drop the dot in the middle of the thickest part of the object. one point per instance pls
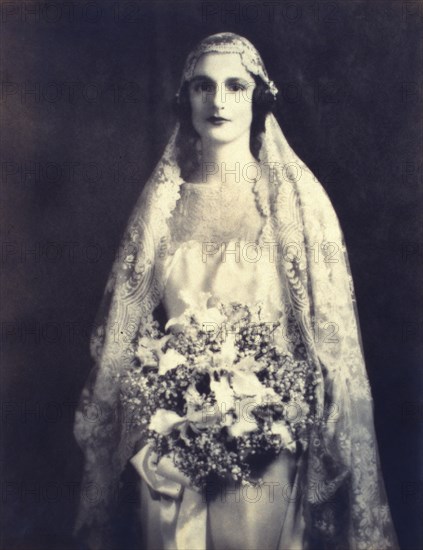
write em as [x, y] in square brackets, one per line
[215, 213]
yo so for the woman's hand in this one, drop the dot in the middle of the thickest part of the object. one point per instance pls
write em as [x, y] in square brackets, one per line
[166, 468]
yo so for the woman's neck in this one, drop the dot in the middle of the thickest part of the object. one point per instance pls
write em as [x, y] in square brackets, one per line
[226, 163]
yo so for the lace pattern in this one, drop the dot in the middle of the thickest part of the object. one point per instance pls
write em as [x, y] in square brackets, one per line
[215, 213]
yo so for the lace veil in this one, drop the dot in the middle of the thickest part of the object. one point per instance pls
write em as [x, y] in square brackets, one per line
[343, 497]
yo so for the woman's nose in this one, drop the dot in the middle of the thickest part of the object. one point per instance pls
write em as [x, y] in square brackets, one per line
[217, 98]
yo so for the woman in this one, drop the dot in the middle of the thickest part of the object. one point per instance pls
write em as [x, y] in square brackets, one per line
[231, 213]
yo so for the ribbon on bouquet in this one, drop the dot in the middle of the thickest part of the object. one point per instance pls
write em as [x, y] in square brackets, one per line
[183, 511]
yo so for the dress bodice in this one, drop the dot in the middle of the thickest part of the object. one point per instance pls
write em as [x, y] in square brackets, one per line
[216, 212]
[217, 249]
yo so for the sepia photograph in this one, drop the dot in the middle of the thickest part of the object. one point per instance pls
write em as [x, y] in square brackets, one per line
[211, 271]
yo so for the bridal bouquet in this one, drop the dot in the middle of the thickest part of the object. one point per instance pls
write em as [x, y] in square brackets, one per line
[217, 393]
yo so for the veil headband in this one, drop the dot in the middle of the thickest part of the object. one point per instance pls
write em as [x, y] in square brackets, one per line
[343, 499]
[228, 42]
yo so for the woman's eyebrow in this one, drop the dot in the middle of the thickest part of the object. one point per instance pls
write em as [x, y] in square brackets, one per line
[204, 78]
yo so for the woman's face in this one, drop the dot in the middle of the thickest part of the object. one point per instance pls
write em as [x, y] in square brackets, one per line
[221, 87]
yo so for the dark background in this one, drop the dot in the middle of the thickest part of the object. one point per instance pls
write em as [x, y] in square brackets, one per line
[86, 110]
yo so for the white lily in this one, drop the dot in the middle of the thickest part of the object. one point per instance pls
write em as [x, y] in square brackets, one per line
[280, 429]
[164, 421]
[247, 384]
[197, 416]
[245, 421]
[169, 360]
[228, 352]
[196, 304]
[149, 350]
[224, 394]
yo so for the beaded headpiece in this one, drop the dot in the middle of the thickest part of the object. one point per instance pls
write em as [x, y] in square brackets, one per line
[228, 42]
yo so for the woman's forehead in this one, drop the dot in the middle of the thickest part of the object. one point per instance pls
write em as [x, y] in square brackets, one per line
[220, 66]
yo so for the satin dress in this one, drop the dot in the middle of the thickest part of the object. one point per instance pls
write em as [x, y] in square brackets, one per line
[218, 249]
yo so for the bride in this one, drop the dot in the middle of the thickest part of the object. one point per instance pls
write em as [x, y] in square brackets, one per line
[231, 215]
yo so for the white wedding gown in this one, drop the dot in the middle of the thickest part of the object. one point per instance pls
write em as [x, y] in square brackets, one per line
[217, 249]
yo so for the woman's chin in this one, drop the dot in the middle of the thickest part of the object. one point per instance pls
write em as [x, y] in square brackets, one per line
[219, 135]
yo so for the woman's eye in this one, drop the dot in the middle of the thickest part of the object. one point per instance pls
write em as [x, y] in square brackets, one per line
[236, 87]
[203, 87]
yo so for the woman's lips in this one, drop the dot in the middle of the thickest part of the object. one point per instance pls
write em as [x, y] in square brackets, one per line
[217, 120]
